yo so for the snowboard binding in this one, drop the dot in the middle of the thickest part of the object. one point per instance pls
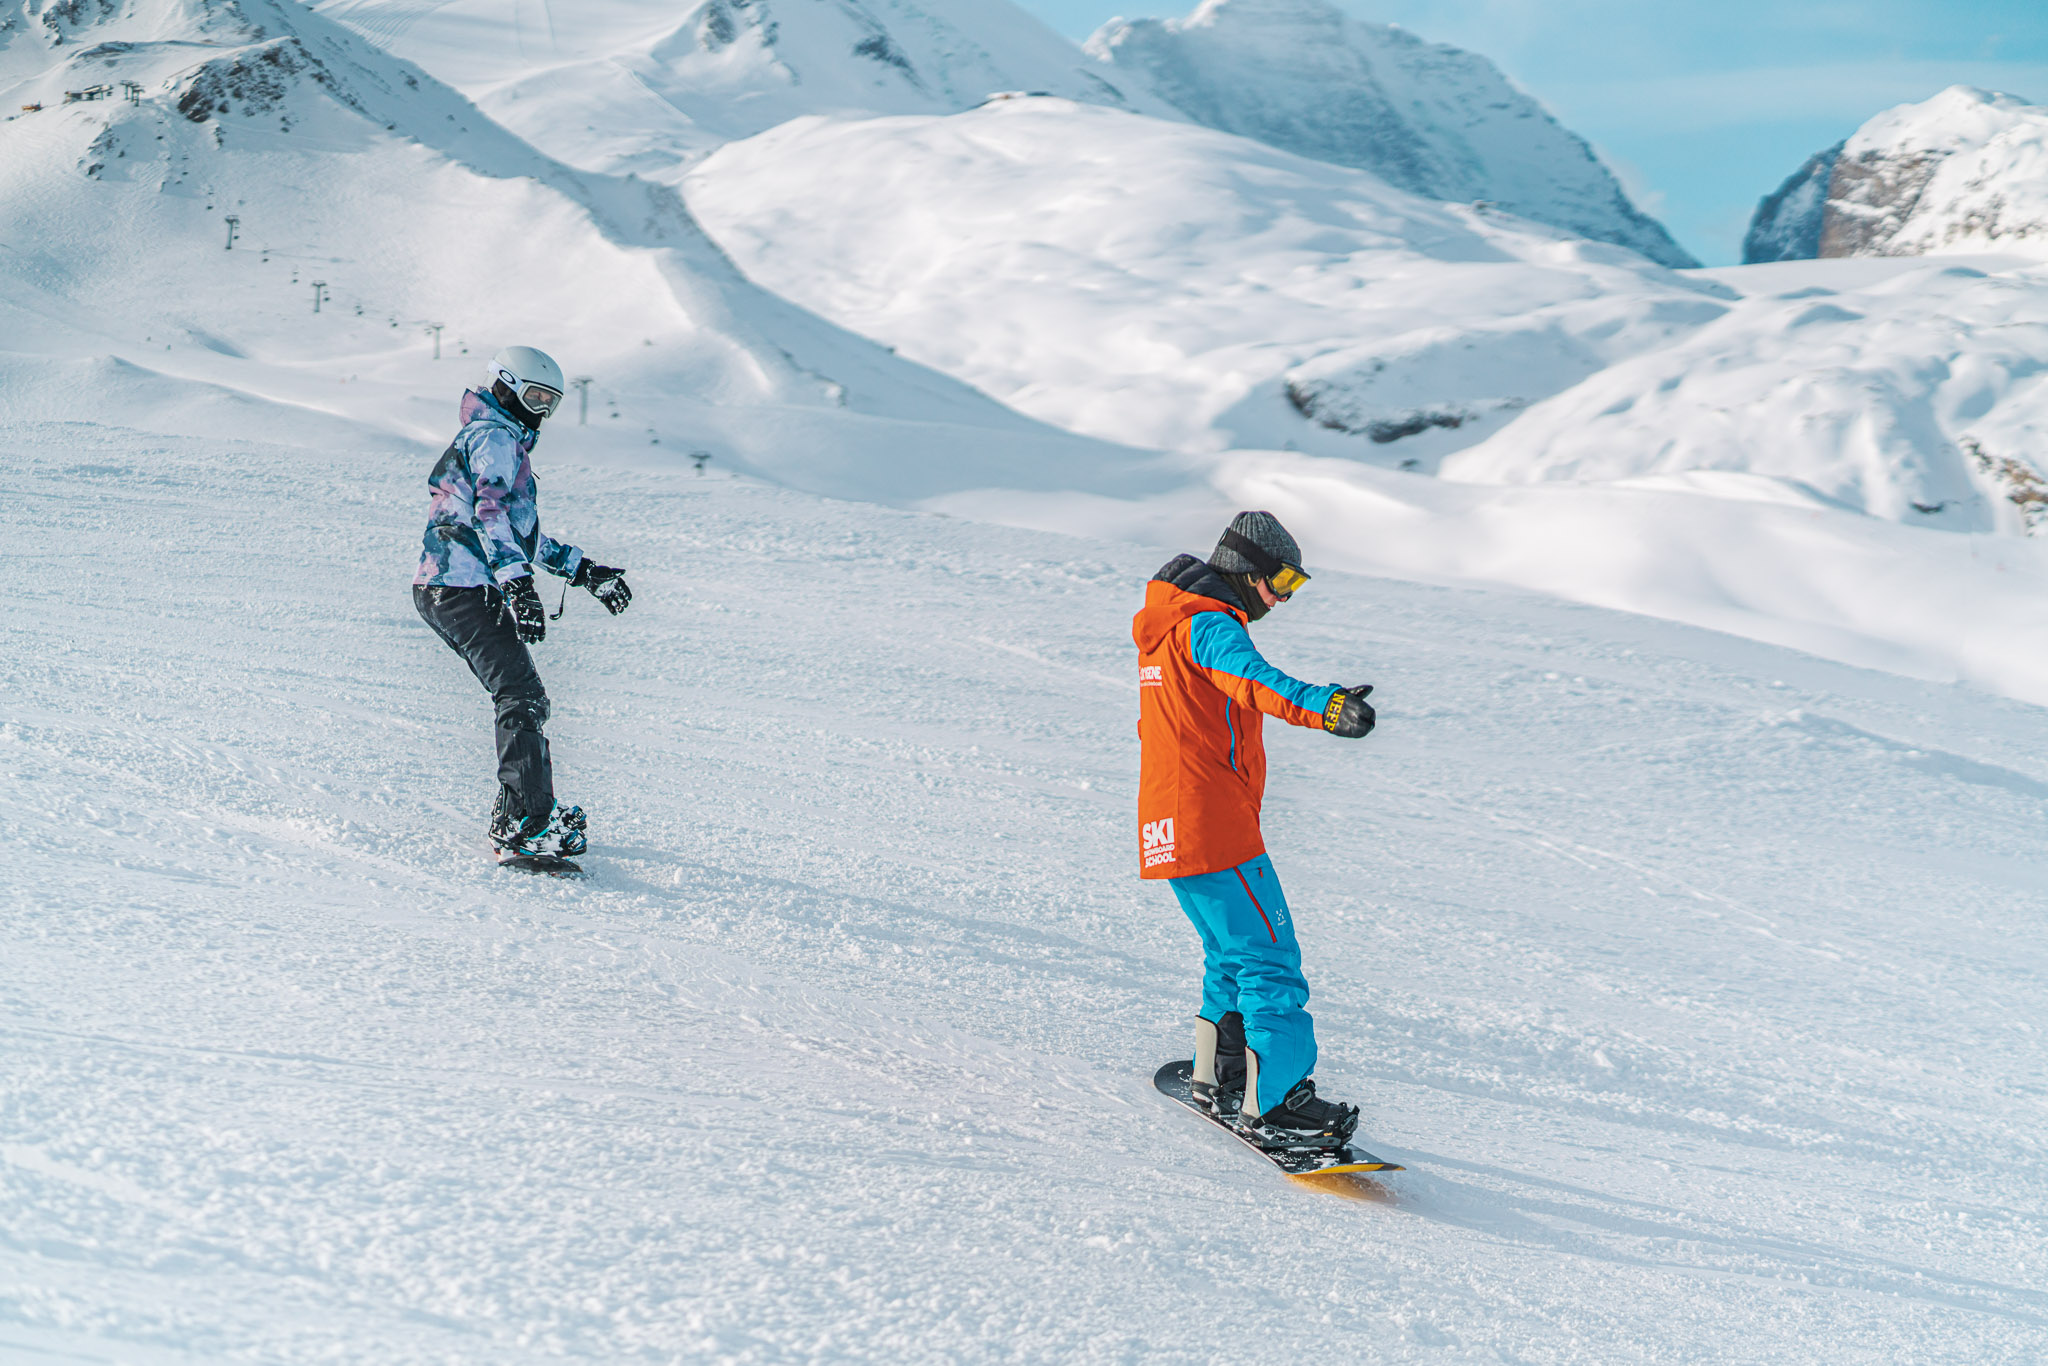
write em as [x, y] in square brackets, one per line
[554, 837]
[1303, 1122]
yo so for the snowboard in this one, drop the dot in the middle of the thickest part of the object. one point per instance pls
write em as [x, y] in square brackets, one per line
[544, 864]
[1173, 1081]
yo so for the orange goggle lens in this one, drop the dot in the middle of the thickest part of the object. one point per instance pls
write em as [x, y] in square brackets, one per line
[1286, 580]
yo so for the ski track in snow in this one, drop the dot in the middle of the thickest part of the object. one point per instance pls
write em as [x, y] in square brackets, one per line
[1698, 982]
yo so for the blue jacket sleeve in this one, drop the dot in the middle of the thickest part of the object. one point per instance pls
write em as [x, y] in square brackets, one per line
[558, 557]
[1223, 649]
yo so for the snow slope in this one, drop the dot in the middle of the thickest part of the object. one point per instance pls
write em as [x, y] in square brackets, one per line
[345, 166]
[1167, 285]
[1745, 554]
[618, 85]
[1915, 393]
[1430, 118]
[1965, 171]
[1697, 982]
[339, 163]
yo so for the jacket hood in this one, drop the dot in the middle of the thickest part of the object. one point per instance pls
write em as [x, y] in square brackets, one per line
[476, 403]
[1184, 586]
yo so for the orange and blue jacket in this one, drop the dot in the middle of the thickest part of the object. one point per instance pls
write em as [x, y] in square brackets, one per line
[1202, 690]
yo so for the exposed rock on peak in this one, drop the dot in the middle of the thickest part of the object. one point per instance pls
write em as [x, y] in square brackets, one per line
[1966, 171]
[1787, 223]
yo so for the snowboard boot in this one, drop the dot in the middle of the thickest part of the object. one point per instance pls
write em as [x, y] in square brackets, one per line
[1303, 1120]
[1219, 1064]
[556, 835]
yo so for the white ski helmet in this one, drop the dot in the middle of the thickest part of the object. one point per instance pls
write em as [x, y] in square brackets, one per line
[532, 376]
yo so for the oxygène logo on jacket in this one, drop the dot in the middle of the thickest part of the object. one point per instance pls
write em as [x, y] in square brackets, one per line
[1151, 675]
[1158, 836]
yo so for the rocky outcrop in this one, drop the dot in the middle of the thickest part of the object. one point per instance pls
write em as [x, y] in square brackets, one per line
[1431, 119]
[1966, 171]
[1787, 224]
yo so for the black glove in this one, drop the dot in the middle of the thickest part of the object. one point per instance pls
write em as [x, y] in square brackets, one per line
[1348, 715]
[529, 618]
[606, 584]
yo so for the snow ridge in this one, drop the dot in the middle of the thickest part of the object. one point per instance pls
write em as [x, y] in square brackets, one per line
[652, 91]
[1427, 117]
[339, 165]
[1169, 285]
[649, 89]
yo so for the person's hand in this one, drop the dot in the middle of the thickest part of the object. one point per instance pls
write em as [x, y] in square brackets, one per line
[529, 618]
[1348, 715]
[606, 584]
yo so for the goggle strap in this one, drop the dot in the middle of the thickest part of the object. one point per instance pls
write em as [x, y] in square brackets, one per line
[1262, 562]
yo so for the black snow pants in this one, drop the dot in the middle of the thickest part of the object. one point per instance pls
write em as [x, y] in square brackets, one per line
[474, 623]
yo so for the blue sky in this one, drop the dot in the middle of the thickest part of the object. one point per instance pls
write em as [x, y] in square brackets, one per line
[1703, 108]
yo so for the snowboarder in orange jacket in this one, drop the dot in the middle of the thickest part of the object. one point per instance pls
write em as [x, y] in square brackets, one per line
[1203, 690]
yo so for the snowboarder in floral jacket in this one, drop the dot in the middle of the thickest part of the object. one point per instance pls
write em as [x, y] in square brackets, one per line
[475, 587]
[1203, 688]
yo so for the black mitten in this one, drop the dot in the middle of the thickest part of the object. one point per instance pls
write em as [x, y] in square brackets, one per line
[1348, 715]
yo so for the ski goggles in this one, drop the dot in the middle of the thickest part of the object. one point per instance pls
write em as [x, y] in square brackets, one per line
[538, 398]
[1283, 578]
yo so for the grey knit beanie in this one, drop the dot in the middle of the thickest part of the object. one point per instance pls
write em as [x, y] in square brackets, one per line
[1263, 530]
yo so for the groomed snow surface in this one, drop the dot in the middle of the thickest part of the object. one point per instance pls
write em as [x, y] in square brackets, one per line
[1697, 982]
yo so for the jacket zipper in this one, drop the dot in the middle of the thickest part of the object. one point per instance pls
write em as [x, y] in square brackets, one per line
[1230, 721]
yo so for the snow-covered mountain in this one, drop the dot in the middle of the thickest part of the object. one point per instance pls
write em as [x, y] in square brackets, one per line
[1166, 284]
[628, 86]
[352, 179]
[1966, 171]
[1427, 117]
[334, 160]
[625, 85]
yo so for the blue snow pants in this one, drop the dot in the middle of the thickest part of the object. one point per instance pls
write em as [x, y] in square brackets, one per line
[1252, 965]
